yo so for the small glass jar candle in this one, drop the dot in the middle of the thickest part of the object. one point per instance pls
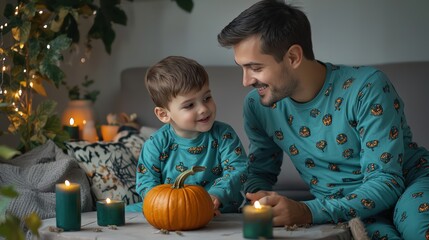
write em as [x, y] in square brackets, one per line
[67, 208]
[110, 212]
[257, 221]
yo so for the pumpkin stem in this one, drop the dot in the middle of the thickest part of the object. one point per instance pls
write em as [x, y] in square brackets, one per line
[180, 180]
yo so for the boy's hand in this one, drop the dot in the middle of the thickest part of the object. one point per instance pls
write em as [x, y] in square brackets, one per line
[216, 204]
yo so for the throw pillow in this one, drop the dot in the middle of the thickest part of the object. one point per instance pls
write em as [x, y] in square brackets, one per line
[111, 167]
[131, 140]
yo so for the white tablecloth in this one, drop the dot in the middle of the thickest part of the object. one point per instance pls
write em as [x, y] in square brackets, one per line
[226, 226]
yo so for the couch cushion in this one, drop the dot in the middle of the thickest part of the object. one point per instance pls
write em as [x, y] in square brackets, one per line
[110, 167]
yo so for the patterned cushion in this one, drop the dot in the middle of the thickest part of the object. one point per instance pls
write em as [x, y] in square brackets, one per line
[132, 140]
[111, 167]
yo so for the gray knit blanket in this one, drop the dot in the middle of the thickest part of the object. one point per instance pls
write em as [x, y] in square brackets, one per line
[34, 175]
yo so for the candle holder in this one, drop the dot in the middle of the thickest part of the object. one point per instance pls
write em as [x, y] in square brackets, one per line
[68, 206]
[108, 132]
[257, 221]
[110, 212]
[89, 133]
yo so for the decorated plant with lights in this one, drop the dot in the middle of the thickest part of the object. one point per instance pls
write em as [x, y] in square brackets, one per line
[31, 47]
[32, 40]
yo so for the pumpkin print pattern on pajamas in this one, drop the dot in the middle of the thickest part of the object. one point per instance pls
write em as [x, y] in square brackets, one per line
[166, 155]
[347, 144]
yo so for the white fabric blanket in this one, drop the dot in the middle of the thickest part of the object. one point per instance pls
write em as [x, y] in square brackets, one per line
[34, 175]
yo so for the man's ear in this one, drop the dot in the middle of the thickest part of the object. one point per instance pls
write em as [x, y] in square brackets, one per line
[162, 114]
[294, 55]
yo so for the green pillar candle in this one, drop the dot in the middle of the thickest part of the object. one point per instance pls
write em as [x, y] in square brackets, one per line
[110, 212]
[257, 221]
[72, 130]
[68, 206]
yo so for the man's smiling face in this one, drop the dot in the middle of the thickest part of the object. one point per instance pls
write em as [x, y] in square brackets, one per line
[273, 79]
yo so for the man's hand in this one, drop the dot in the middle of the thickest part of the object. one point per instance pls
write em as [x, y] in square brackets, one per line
[285, 211]
[216, 204]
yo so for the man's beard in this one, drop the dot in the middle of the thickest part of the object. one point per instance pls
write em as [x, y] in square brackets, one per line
[277, 94]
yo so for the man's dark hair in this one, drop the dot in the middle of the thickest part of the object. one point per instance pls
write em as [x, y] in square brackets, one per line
[279, 26]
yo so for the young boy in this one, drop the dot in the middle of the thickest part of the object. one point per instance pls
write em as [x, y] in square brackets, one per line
[180, 90]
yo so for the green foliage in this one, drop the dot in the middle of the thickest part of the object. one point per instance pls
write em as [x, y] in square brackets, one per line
[186, 5]
[75, 91]
[10, 225]
[7, 152]
[36, 129]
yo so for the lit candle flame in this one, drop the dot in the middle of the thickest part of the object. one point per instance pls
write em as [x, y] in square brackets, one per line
[67, 183]
[71, 121]
[257, 205]
[108, 200]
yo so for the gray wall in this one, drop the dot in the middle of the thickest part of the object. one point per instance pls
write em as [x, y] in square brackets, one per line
[344, 31]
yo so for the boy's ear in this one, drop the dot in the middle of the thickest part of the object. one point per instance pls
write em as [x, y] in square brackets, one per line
[162, 114]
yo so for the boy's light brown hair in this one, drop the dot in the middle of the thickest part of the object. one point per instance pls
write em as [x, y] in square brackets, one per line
[172, 76]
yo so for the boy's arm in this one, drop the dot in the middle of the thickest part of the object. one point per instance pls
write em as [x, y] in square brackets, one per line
[148, 171]
[227, 188]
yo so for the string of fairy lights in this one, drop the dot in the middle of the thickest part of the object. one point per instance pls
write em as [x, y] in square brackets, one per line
[4, 93]
[3, 59]
[15, 96]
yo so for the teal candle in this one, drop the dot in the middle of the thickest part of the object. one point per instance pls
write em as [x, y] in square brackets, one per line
[257, 221]
[110, 212]
[68, 206]
[72, 130]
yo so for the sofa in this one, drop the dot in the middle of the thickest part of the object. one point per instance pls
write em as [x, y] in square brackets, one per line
[411, 80]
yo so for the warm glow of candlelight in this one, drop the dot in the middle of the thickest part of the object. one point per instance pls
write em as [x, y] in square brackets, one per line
[67, 183]
[108, 200]
[257, 205]
[84, 122]
[71, 121]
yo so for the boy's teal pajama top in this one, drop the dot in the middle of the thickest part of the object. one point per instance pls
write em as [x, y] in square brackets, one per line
[351, 144]
[165, 155]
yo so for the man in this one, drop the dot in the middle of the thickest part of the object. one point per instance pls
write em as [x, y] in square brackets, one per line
[343, 128]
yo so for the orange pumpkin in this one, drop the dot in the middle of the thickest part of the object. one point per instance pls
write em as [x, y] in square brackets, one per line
[177, 207]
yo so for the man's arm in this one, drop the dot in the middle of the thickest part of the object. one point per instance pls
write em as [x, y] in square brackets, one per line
[378, 112]
[265, 157]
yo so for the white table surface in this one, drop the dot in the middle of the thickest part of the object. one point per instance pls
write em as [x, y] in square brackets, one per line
[226, 226]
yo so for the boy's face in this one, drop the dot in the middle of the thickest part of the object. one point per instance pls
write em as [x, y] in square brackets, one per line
[190, 114]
